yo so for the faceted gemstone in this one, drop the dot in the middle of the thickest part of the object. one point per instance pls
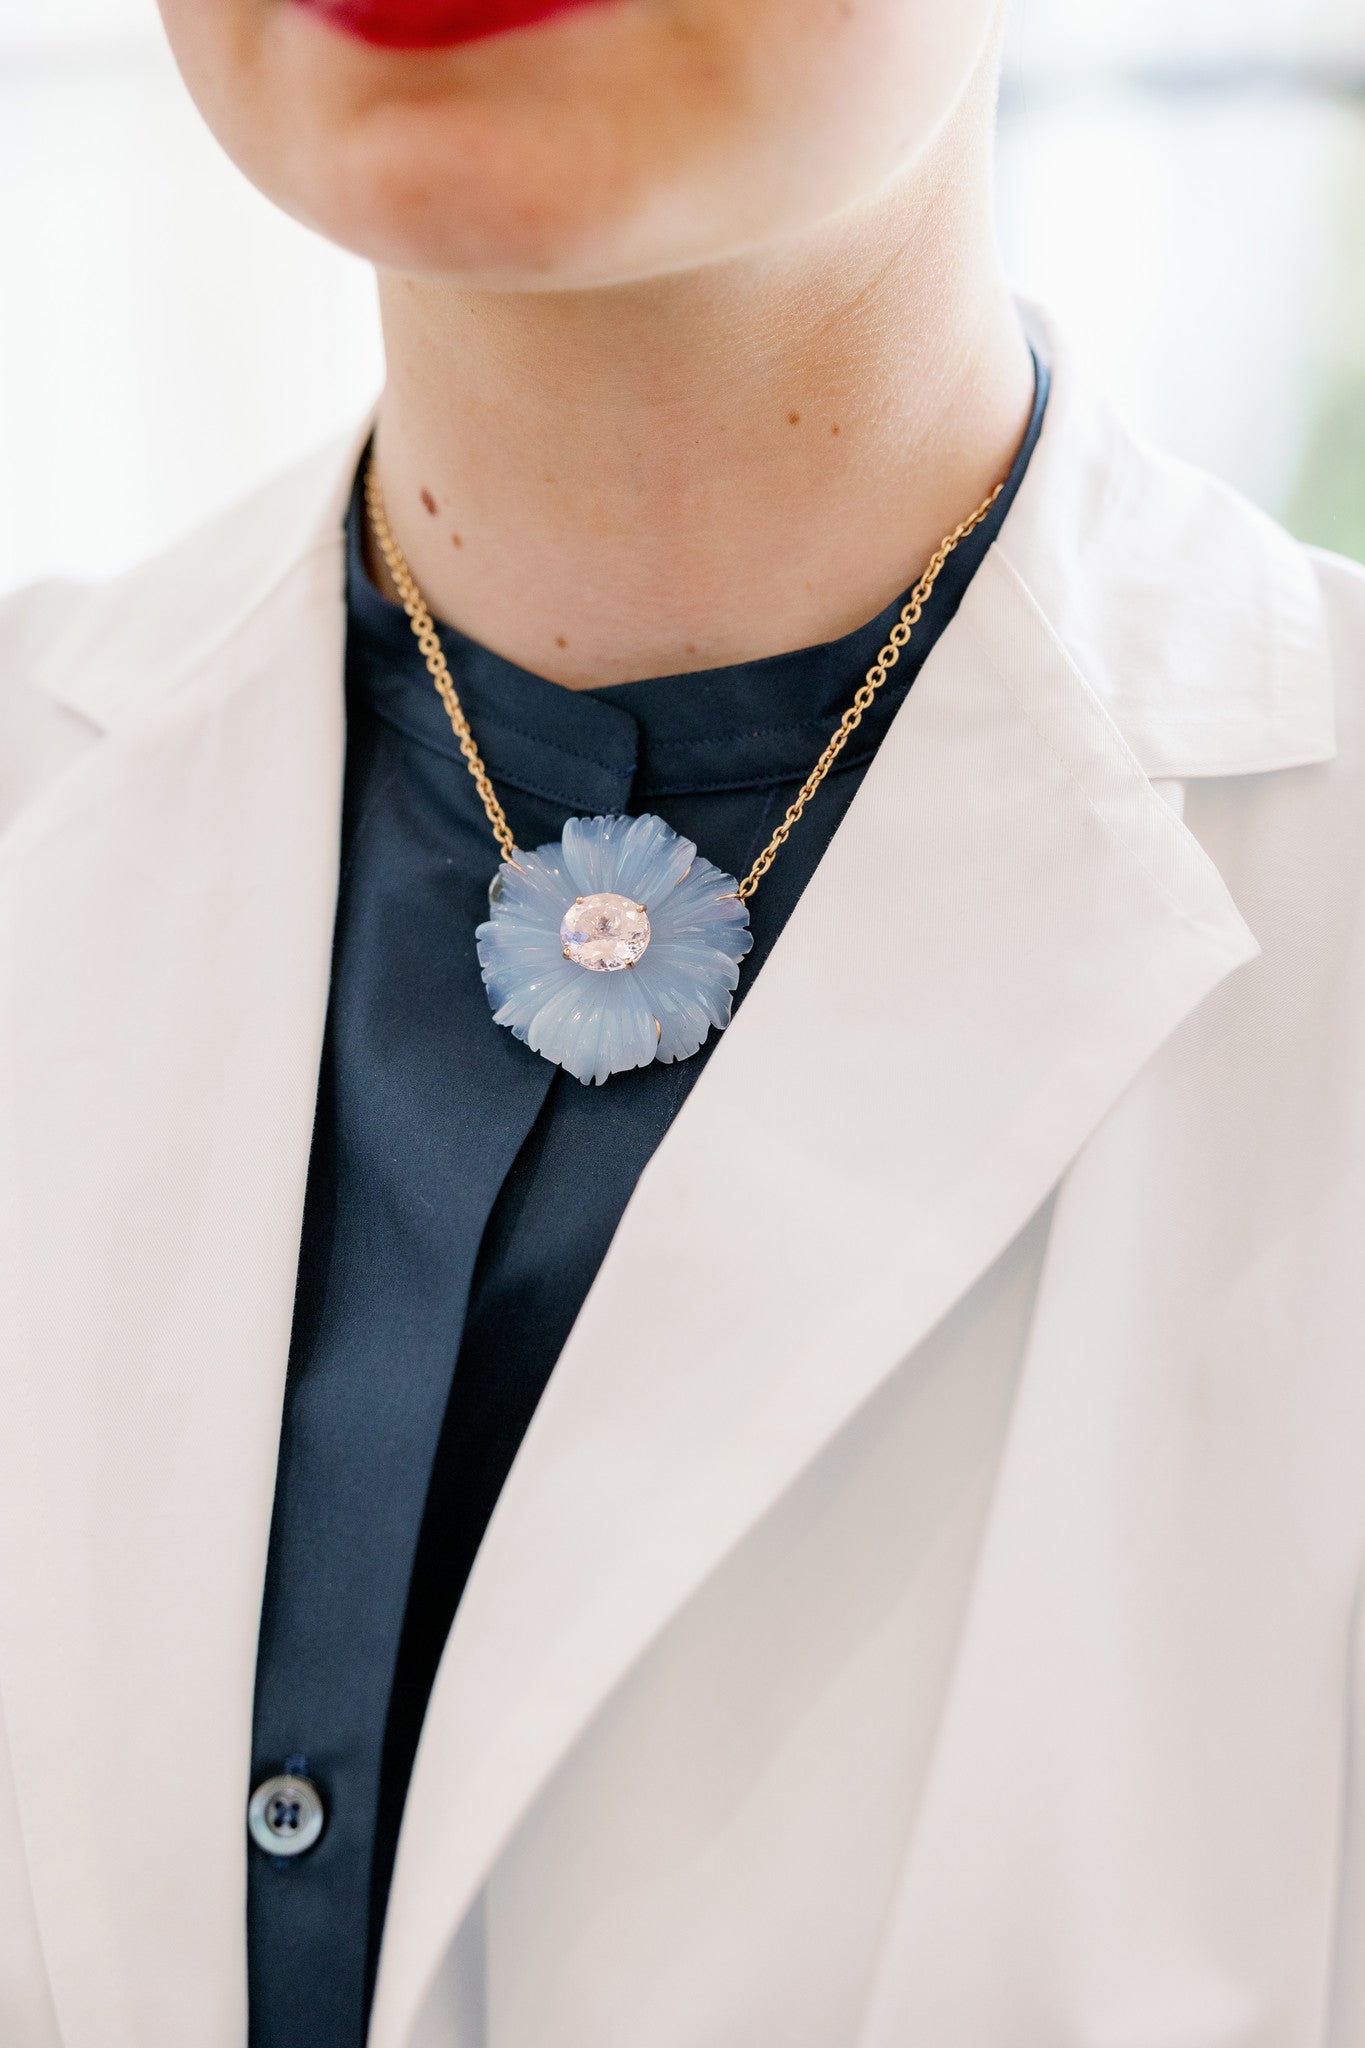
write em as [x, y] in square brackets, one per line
[604, 932]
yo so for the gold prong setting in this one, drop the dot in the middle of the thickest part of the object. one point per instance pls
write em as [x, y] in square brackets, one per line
[605, 932]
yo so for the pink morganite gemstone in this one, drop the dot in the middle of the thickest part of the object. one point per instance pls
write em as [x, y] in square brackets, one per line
[604, 932]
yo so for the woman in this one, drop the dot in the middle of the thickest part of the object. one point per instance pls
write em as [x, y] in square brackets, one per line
[922, 1606]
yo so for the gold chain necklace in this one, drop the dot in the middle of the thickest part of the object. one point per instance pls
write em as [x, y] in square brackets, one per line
[621, 892]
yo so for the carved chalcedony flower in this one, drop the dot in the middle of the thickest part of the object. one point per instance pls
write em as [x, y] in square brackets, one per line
[617, 946]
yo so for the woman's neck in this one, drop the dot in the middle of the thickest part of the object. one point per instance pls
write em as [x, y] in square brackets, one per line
[677, 475]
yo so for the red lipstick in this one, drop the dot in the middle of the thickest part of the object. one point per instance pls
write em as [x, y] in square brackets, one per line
[433, 24]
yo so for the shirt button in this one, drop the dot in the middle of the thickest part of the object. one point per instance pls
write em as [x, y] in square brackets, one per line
[285, 1815]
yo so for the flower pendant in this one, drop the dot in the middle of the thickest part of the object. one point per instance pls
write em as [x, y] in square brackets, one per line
[615, 947]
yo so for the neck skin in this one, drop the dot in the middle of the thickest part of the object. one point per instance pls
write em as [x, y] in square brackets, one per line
[703, 469]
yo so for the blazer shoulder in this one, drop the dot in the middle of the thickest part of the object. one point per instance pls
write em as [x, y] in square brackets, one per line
[137, 639]
[1190, 613]
[78, 661]
[39, 736]
[1341, 589]
[1342, 585]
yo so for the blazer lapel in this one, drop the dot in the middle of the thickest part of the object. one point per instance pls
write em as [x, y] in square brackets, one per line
[1007, 926]
[167, 913]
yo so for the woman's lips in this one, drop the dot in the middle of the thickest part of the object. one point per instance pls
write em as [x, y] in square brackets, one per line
[434, 24]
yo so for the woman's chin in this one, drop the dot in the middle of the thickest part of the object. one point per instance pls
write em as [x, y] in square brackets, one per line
[564, 143]
[618, 167]
[488, 210]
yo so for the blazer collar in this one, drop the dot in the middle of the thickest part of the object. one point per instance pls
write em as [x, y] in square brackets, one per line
[167, 627]
[1194, 619]
[1007, 925]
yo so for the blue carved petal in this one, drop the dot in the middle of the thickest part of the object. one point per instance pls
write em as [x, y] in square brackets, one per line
[537, 889]
[713, 970]
[685, 1013]
[519, 991]
[599, 1025]
[594, 852]
[656, 861]
[642, 858]
[705, 905]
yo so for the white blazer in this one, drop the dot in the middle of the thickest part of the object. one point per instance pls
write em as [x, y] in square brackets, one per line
[924, 1612]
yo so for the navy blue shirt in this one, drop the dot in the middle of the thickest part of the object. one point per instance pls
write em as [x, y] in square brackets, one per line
[463, 1191]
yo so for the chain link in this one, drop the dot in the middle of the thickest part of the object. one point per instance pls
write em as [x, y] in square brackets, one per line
[867, 690]
[424, 627]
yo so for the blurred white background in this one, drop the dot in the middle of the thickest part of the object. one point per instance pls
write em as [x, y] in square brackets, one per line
[1182, 181]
